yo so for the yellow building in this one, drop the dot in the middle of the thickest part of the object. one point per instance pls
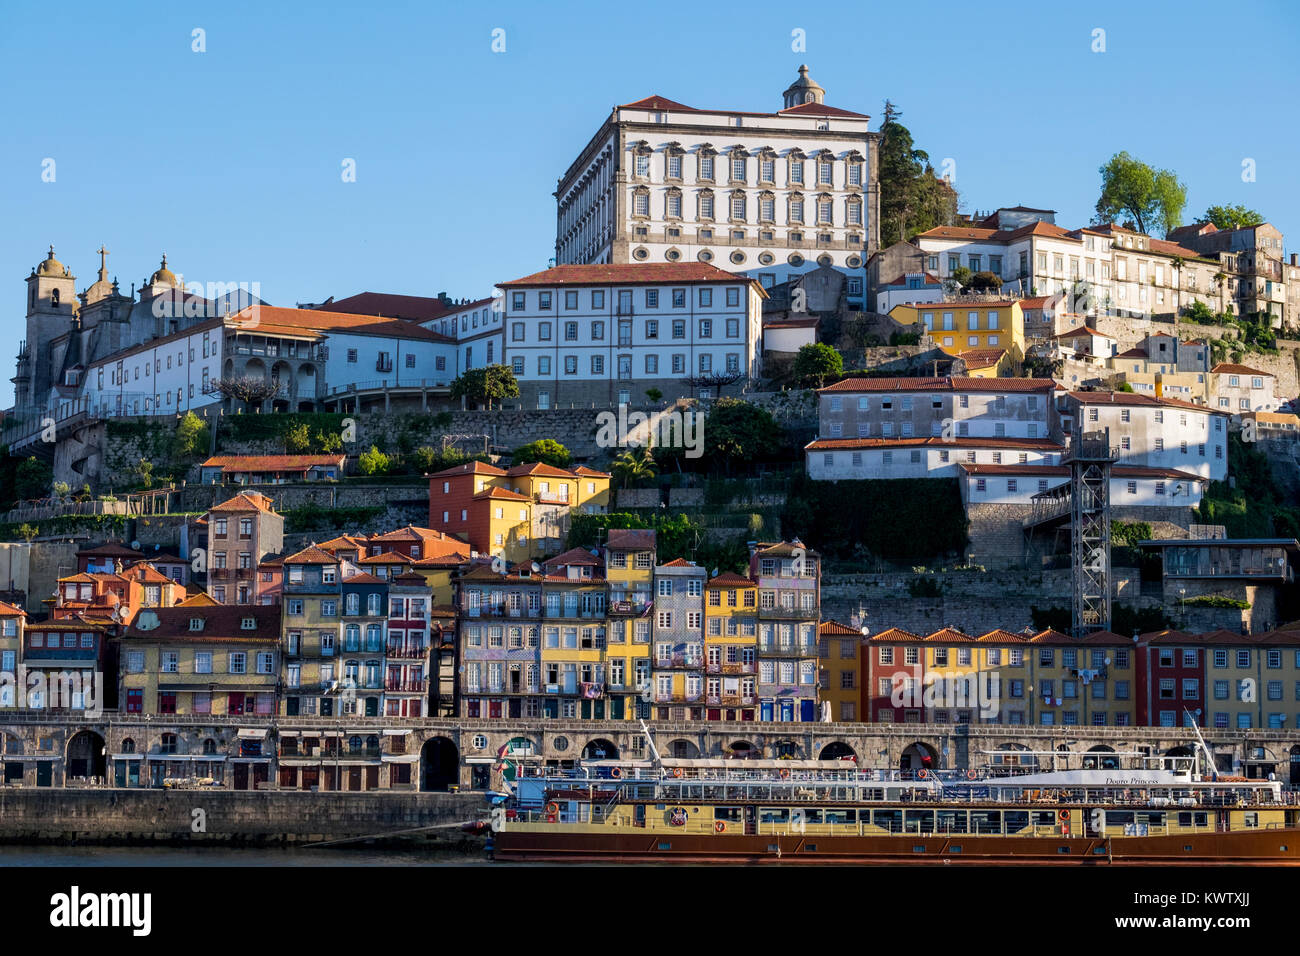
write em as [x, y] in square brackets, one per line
[730, 647]
[840, 650]
[1082, 681]
[593, 490]
[1160, 378]
[958, 327]
[12, 620]
[629, 573]
[989, 363]
[312, 608]
[200, 657]
[501, 520]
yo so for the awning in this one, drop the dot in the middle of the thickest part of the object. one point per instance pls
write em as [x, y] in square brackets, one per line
[396, 733]
[252, 733]
[250, 759]
[400, 758]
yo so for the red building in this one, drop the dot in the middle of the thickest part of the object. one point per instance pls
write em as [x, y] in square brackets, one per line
[895, 675]
[1170, 678]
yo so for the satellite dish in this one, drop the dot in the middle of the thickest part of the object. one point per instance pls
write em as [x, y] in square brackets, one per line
[536, 567]
[135, 545]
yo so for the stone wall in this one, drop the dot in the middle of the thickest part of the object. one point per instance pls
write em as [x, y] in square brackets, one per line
[229, 816]
[322, 494]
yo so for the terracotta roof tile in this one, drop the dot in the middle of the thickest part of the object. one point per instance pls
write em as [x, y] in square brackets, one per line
[948, 383]
[836, 629]
[629, 274]
[729, 579]
[246, 501]
[272, 462]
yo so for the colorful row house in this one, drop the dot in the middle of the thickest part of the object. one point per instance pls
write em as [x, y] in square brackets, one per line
[788, 576]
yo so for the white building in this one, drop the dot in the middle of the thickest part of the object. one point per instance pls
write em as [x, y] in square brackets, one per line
[1150, 432]
[772, 194]
[926, 427]
[478, 331]
[1130, 486]
[604, 334]
[1240, 388]
[168, 375]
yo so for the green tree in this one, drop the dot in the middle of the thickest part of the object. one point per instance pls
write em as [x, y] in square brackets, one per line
[1150, 197]
[373, 462]
[633, 467]
[192, 437]
[144, 471]
[654, 394]
[1231, 216]
[62, 489]
[27, 532]
[738, 432]
[985, 282]
[815, 363]
[297, 439]
[329, 443]
[912, 198]
[485, 385]
[426, 456]
[546, 450]
[960, 277]
[33, 479]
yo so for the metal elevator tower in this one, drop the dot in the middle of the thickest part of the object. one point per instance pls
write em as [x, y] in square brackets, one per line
[1090, 460]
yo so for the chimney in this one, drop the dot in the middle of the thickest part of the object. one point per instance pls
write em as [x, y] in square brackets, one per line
[1295, 259]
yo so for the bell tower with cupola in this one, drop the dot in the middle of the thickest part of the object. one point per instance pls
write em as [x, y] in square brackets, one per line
[51, 306]
[804, 90]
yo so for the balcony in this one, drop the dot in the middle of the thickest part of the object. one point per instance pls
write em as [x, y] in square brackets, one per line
[498, 610]
[629, 608]
[729, 700]
[679, 661]
[409, 685]
[787, 650]
[733, 668]
[394, 652]
[788, 614]
[551, 498]
[675, 698]
[574, 614]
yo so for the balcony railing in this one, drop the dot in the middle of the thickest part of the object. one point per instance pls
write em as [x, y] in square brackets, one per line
[679, 660]
[629, 608]
[786, 650]
[404, 653]
[730, 700]
[788, 613]
[734, 668]
[675, 698]
[409, 685]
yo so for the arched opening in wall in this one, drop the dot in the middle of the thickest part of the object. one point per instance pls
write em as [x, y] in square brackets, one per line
[306, 383]
[1295, 765]
[1013, 758]
[439, 765]
[1183, 751]
[919, 756]
[1100, 757]
[600, 749]
[837, 750]
[85, 756]
[683, 750]
[742, 750]
[788, 749]
[282, 376]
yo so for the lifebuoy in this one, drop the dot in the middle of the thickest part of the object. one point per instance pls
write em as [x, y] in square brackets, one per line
[719, 826]
[971, 775]
[785, 774]
[1065, 814]
[552, 808]
[922, 774]
[677, 771]
[616, 772]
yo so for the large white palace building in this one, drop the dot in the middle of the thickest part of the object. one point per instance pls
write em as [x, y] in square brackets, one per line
[771, 195]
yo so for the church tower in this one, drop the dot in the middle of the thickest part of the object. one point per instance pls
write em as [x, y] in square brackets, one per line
[51, 305]
[804, 90]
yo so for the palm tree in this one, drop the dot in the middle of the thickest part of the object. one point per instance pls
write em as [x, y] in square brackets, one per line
[632, 467]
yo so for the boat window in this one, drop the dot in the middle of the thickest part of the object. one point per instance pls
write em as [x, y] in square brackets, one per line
[919, 821]
[845, 816]
[1044, 818]
[1251, 818]
[986, 821]
[1186, 819]
[1155, 818]
[812, 816]
[727, 813]
[1017, 820]
[1117, 818]
[773, 815]
[890, 820]
[952, 821]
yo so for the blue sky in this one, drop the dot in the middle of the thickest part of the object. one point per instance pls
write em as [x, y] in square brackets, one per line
[230, 160]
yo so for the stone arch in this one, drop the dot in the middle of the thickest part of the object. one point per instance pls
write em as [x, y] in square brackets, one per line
[919, 755]
[599, 748]
[1102, 758]
[682, 749]
[786, 747]
[439, 764]
[84, 757]
[742, 750]
[837, 750]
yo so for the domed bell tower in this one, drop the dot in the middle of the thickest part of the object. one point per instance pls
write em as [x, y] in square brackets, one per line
[804, 90]
[51, 307]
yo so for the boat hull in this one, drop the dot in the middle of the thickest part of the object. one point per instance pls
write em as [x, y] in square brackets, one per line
[1274, 847]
